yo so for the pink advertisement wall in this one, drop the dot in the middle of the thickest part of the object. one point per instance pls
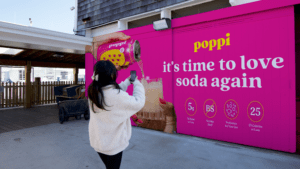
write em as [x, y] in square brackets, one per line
[245, 70]
[231, 79]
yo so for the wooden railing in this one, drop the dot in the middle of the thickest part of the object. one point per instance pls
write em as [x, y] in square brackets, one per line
[13, 94]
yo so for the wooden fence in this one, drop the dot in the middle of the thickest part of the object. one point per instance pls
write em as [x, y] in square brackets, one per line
[13, 94]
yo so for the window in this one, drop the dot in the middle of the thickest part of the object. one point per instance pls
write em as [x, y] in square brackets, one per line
[143, 21]
[64, 75]
[50, 77]
[21, 74]
[201, 8]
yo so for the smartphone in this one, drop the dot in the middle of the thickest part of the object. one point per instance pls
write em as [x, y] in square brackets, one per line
[132, 75]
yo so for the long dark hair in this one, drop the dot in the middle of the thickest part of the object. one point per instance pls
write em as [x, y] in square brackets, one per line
[107, 75]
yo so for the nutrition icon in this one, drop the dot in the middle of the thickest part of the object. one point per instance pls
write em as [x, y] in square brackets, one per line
[191, 106]
[255, 111]
[231, 109]
[210, 108]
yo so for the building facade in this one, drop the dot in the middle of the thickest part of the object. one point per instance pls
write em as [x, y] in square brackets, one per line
[99, 17]
[241, 101]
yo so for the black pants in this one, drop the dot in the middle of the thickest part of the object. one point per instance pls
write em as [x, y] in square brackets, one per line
[112, 162]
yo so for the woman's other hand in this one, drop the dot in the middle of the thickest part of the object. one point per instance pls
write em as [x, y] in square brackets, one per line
[136, 120]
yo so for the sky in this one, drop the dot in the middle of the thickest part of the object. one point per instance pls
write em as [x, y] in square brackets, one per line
[52, 15]
[46, 14]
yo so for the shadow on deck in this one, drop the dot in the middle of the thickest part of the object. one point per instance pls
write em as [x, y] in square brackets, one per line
[20, 118]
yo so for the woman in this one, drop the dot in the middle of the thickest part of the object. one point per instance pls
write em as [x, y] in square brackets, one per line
[110, 110]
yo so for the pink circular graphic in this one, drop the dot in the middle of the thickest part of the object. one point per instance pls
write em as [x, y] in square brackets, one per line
[255, 111]
[231, 109]
[190, 106]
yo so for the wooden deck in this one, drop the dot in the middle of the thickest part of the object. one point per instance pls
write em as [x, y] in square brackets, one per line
[20, 118]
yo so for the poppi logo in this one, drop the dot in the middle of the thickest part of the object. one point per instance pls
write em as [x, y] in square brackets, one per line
[117, 44]
[212, 43]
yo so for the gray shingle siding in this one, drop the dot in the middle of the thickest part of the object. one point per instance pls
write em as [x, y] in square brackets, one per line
[105, 11]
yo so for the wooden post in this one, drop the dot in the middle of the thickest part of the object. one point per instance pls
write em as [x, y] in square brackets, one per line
[37, 81]
[53, 96]
[43, 93]
[9, 95]
[6, 94]
[51, 91]
[45, 89]
[32, 93]
[48, 92]
[14, 95]
[2, 95]
[18, 94]
[75, 72]
[0, 74]
[23, 94]
[28, 85]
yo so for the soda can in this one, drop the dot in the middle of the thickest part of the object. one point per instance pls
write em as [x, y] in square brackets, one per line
[121, 53]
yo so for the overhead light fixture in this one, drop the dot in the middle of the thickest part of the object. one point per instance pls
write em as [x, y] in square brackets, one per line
[58, 55]
[10, 51]
[84, 20]
[164, 23]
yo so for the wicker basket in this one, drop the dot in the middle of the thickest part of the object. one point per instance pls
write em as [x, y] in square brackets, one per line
[164, 123]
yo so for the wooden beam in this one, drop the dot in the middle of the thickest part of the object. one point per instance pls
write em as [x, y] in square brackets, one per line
[77, 61]
[73, 58]
[19, 54]
[79, 58]
[54, 64]
[52, 58]
[46, 57]
[6, 57]
[68, 58]
[30, 52]
[41, 54]
[12, 62]
[80, 66]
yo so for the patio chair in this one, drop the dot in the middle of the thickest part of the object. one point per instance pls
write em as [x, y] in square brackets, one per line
[73, 108]
[67, 92]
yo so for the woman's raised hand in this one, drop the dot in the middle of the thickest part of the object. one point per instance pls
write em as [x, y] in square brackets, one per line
[130, 76]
